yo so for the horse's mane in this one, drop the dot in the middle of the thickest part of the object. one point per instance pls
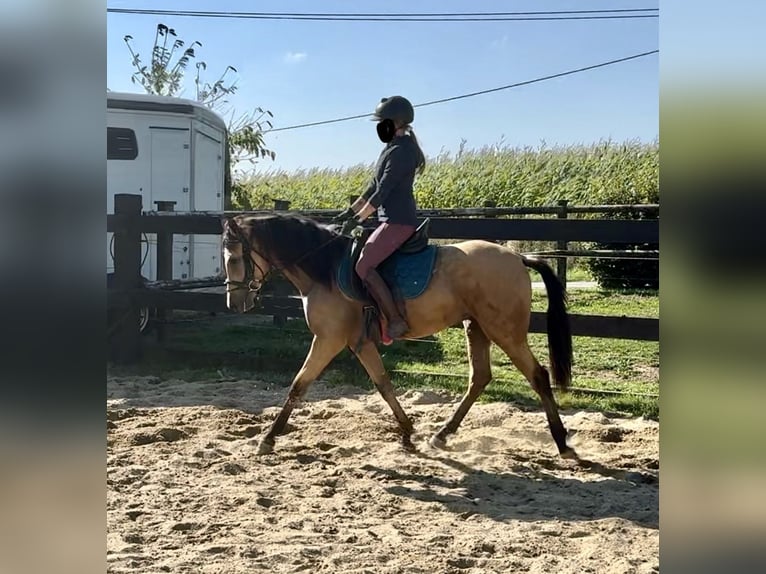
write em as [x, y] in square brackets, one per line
[294, 241]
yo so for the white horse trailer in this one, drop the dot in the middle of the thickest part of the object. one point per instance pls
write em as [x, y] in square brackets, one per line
[167, 149]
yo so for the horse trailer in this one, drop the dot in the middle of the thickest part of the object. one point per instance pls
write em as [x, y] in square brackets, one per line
[168, 149]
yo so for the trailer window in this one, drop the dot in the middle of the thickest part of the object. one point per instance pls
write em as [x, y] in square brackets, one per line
[121, 143]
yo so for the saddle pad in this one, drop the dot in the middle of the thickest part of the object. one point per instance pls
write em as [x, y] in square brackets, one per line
[407, 274]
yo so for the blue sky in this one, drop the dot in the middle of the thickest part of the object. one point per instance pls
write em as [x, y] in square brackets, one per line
[309, 71]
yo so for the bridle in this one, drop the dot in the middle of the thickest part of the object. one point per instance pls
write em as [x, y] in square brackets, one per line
[249, 282]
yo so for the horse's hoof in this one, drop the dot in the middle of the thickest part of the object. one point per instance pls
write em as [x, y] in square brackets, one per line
[265, 447]
[438, 442]
[569, 454]
[407, 444]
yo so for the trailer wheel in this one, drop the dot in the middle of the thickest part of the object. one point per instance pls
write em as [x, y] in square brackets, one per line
[146, 315]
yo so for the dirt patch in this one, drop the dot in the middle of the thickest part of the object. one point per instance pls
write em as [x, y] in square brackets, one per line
[340, 495]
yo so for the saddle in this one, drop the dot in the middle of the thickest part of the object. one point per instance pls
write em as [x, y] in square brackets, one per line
[417, 242]
[407, 273]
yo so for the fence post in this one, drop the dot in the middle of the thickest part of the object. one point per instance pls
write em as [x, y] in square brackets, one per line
[488, 203]
[164, 265]
[126, 341]
[280, 320]
[281, 205]
[561, 245]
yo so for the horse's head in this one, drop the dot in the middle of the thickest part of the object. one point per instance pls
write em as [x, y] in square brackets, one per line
[246, 269]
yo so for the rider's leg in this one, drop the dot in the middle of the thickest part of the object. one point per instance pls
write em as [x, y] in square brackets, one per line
[386, 239]
[397, 326]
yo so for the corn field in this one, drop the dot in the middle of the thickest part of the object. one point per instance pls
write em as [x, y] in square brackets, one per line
[600, 173]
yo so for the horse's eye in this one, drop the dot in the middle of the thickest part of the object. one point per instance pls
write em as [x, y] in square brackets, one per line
[233, 259]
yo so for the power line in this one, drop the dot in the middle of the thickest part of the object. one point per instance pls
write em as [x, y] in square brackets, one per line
[472, 94]
[551, 15]
[395, 14]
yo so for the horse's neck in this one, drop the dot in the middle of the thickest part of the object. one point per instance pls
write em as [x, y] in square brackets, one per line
[302, 282]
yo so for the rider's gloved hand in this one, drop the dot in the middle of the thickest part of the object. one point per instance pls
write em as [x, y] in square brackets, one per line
[348, 226]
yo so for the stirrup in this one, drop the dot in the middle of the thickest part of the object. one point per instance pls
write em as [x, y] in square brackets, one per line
[405, 326]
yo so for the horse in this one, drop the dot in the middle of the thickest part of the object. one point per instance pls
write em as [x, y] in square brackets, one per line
[484, 285]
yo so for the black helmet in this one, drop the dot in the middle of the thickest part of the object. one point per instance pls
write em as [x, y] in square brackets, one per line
[396, 108]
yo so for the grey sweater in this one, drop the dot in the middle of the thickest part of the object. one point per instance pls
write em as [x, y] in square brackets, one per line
[390, 190]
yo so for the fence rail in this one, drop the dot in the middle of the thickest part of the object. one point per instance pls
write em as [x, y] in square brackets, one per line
[596, 230]
[646, 208]
[604, 326]
[129, 222]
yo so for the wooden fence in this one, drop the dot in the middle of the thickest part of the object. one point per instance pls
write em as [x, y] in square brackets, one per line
[128, 294]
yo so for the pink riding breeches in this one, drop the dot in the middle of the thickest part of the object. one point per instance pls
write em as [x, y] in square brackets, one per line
[386, 239]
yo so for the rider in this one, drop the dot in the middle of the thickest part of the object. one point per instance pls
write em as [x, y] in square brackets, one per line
[390, 194]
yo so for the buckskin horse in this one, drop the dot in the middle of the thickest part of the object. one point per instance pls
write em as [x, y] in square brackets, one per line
[484, 285]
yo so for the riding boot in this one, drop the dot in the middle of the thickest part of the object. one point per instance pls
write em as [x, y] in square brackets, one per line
[397, 326]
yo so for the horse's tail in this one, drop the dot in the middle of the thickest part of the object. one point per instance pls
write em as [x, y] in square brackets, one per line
[559, 331]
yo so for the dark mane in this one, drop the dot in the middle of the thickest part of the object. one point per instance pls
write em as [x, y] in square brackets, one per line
[294, 241]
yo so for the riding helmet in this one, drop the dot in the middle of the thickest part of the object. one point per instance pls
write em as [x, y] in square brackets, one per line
[396, 108]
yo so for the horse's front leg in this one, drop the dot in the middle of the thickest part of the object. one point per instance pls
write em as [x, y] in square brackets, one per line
[369, 356]
[322, 351]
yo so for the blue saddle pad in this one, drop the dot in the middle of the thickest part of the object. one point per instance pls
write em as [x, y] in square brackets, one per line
[407, 274]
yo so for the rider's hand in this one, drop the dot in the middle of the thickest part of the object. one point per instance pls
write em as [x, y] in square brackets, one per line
[348, 226]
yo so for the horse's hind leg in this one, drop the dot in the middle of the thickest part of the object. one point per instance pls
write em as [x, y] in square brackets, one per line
[480, 374]
[537, 375]
[369, 356]
[323, 350]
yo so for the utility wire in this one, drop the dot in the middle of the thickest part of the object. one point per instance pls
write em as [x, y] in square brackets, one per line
[394, 14]
[472, 94]
[620, 14]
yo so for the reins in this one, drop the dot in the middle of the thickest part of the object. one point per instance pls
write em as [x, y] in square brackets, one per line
[249, 280]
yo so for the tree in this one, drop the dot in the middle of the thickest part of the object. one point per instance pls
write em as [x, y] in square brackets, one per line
[165, 76]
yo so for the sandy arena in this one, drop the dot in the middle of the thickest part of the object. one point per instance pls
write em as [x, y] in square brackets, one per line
[188, 494]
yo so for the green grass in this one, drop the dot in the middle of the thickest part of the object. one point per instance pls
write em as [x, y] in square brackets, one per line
[604, 172]
[274, 353]
[603, 302]
[579, 273]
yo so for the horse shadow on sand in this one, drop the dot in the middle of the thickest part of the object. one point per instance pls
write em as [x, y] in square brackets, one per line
[530, 491]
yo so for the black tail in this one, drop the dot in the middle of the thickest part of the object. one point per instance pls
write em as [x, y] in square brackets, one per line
[559, 331]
